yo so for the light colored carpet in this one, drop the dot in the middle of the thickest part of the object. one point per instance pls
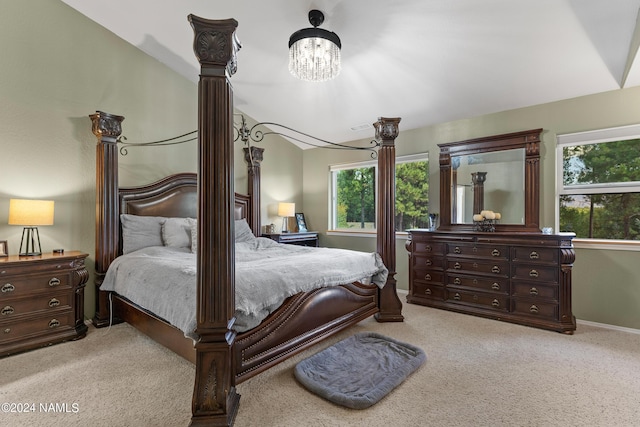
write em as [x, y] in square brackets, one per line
[478, 372]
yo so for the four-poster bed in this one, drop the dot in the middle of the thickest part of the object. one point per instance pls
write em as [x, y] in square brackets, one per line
[224, 357]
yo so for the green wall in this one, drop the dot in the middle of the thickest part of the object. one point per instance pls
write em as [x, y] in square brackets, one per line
[606, 283]
[57, 68]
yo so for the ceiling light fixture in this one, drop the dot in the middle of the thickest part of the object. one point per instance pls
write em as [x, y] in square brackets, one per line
[314, 53]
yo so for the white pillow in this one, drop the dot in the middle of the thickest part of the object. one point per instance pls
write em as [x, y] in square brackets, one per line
[140, 232]
[176, 232]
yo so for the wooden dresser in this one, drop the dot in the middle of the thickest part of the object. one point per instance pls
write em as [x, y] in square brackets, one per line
[522, 278]
[42, 300]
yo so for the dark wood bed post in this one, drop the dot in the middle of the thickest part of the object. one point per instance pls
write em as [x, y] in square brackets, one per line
[388, 301]
[215, 401]
[107, 128]
[253, 156]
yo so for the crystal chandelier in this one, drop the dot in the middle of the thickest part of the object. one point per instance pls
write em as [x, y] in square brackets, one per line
[314, 53]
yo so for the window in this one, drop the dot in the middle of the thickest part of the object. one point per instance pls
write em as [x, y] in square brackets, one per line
[599, 183]
[353, 194]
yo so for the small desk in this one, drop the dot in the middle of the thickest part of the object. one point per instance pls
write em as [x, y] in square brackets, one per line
[308, 238]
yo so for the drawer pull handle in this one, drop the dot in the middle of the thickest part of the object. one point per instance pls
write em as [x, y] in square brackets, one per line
[54, 323]
[533, 273]
[428, 248]
[457, 281]
[7, 310]
[495, 269]
[495, 303]
[457, 297]
[8, 287]
[456, 250]
[427, 291]
[495, 286]
[428, 262]
[54, 302]
[495, 252]
[7, 330]
[54, 281]
[534, 309]
[457, 266]
[533, 291]
[427, 277]
[534, 255]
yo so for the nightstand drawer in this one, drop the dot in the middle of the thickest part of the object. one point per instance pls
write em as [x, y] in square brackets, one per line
[20, 285]
[25, 306]
[38, 326]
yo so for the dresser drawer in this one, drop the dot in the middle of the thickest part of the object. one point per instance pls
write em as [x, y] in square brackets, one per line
[25, 306]
[40, 325]
[534, 273]
[428, 248]
[16, 286]
[496, 268]
[499, 285]
[426, 275]
[422, 261]
[479, 251]
[428, 290]
[535, 290]
[534, 255]
[534, 308]
[479, 299]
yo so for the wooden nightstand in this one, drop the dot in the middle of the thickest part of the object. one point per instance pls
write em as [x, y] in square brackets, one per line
[302, 239]
[41, 300]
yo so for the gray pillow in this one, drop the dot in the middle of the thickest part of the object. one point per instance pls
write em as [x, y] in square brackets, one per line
[140, 232]
[243, 231]
[176, 232]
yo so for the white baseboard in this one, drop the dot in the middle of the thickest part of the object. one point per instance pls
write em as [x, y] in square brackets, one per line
[607, 326]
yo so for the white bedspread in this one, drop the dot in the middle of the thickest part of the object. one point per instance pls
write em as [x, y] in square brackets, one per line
[163, 279]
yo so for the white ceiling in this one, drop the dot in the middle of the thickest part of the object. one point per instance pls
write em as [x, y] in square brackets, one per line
[426, 61]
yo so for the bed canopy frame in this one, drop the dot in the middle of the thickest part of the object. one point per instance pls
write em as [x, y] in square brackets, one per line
[223, 357]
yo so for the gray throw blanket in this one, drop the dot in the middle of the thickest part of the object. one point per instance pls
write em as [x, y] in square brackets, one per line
[163, 279]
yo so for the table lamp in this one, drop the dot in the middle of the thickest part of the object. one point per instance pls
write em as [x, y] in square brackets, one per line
[286, 210]
[30, 214]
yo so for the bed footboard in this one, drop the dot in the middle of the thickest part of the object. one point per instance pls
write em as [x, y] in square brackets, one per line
[303, 320]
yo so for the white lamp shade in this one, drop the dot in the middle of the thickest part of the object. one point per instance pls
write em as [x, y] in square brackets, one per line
[30, 212]
[286, 209]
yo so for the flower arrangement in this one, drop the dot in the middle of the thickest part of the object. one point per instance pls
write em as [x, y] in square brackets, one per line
[486, 220]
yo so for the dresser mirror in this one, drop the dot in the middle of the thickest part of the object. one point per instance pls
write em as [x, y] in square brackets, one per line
[500, 173]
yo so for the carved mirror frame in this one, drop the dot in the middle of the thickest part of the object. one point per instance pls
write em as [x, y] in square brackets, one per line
[530, 141]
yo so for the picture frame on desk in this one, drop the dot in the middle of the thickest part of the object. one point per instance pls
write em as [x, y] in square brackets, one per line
[302, 224]
[4, 248]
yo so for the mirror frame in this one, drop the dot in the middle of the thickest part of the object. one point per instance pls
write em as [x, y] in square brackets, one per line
[530, 141]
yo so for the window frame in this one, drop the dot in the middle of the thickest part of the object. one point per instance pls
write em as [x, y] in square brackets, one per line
[331, 226]
[597, 136]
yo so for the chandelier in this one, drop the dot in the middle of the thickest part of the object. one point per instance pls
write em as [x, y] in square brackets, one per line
[314, 53]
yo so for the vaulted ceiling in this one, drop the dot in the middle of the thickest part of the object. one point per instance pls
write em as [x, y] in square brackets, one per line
[426, 61]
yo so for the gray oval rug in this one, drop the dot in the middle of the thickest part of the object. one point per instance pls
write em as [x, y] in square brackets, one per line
[360, 370]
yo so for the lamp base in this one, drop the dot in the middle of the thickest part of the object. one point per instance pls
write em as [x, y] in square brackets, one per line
[285, 224]
[30, 241]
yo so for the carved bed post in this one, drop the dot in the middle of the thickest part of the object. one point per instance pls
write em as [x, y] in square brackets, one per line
[107, 128]
[215, 401]
[389, 303]
[253, 157]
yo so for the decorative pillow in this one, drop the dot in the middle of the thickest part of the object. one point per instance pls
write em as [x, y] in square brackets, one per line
[243, 231]
[140, 231]
[176, 232]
